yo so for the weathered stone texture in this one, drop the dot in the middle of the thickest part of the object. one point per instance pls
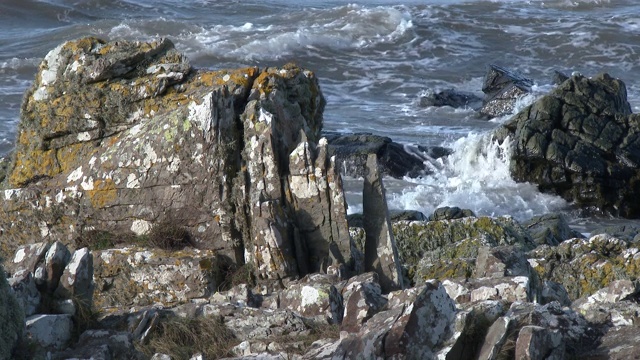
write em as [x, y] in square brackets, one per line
[118, 137]
[580, 142]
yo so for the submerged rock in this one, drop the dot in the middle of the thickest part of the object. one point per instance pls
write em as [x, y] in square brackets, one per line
[581, 142]
[449, 97]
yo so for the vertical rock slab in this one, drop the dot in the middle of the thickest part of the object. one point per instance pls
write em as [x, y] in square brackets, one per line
[380, 251]
[317, 198]
[56, 260]
[538, 343]
[77, 279]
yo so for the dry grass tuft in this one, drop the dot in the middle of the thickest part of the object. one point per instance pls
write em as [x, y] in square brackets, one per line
[181, 338]
[169, 235]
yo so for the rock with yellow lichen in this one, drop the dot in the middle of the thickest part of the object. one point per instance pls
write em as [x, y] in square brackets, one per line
[584, 266]
[120, 136]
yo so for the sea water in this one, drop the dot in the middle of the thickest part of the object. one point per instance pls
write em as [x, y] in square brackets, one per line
[374, 60]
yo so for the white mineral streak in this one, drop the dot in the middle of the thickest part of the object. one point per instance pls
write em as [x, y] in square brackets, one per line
[265, 116]
[75, 175]
[50, 74]
[201, 114]
[140, 227]
[19, 257]
[87, 183]
[78, 255]
[9, 193]
[132, 182]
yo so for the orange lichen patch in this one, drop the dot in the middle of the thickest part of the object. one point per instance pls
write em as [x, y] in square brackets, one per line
[104, 192]
[70, 156]
[241, 77]
[33, 164]
[85, 44]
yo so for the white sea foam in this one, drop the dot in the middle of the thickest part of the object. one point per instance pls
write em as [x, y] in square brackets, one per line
[339, 28]
[476, 176]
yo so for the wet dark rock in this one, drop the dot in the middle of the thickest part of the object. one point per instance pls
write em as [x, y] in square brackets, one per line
[450, 97]
[396, 160]
[450, 213]
[356, 220]
[624, 232]
[580, 142]
[502, 87]
[550, 229]
[559, 77]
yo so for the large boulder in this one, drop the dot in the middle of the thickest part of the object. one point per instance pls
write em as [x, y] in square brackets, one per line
[581, 142]
[119, 137]
[448, 248]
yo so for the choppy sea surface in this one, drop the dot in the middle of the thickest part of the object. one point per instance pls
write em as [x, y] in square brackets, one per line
[374, 59]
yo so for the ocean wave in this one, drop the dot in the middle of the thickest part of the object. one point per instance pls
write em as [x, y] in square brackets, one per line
[274, 37]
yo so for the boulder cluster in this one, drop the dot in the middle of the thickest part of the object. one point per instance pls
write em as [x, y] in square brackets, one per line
[158, 211]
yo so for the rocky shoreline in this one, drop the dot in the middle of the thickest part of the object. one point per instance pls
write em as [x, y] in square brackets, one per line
[153, 210]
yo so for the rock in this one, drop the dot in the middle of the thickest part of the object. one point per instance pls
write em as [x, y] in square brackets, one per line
[314, 296]
[616, 304]
[357, 220]
[502, 88]
[240, 295]
[77, 279]
[315, 190]
[551, 229]
[559, 77]
[26, 292]
[617, 343]
[584, 266]
[448, 248]
[362, 299]
[553, 291]
[396, 160]
[623, 232]
[580, 142]
[249, 324]
[11, 317]
[102, 344]
[449, 97]
[538, 343]
[141, 276]
[501, 261]
[416, 329]
[511, 289]
[50, 331]
[496, 337]
[450, 213]
[133, 136]
[27, 257]
[56, 260]
[380, 251]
